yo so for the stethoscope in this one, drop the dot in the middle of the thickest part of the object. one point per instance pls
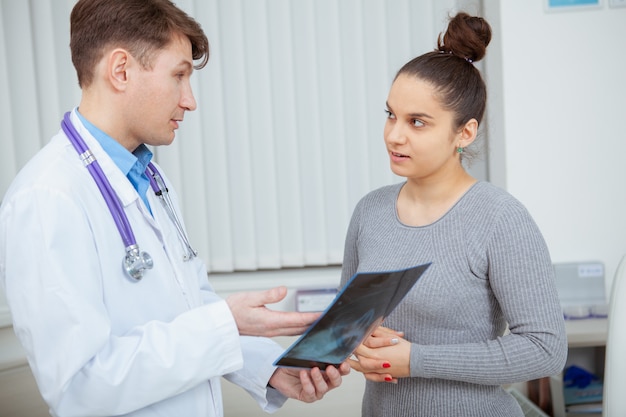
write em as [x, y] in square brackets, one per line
[136, 262]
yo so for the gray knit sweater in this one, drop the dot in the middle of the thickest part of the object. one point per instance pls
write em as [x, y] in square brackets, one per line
[490, 267]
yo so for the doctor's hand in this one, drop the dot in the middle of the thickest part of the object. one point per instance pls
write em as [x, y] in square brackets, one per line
[308, 385]
[253, 318]
[383, 357]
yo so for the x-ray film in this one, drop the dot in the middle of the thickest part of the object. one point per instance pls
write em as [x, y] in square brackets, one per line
[352, 316]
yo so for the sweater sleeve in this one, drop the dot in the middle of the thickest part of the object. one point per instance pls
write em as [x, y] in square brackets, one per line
[520, 275]
[350, 253]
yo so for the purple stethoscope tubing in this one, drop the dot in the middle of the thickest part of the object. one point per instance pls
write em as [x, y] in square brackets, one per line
[92, 165]
[135, 261]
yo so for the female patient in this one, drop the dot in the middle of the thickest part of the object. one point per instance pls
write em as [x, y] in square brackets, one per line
[490, 265]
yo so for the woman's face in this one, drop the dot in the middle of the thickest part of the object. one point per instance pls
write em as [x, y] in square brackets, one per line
[419, 133]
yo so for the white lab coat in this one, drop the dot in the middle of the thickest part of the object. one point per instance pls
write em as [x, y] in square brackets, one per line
[98, 343]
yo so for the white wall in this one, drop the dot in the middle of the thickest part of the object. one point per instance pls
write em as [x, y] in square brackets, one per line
[557, 86]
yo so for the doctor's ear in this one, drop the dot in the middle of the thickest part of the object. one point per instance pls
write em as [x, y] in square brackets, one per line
[117, 68]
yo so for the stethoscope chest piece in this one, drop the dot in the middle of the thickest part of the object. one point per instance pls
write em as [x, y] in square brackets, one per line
[136, 263]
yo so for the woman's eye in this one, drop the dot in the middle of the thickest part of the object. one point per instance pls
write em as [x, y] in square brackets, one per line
[390, 115]
[417, 123]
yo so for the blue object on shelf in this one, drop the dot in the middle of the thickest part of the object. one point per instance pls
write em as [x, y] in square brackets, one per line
[581, 386]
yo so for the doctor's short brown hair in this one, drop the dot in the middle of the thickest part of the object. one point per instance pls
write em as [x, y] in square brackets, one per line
[143, 27]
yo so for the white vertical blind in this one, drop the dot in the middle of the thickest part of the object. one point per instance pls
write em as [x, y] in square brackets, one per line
[288, 132]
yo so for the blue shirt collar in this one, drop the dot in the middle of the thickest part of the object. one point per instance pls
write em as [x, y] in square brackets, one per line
[133, 165]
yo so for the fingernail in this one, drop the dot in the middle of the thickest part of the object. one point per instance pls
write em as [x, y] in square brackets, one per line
[388, 379]
[394, 341]
[386, 365]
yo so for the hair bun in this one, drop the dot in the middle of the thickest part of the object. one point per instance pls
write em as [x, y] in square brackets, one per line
[466, 37]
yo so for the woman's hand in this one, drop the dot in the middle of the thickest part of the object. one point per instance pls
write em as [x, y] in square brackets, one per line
[383, 357]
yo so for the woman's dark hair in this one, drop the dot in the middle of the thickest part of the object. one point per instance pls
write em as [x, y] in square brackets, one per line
[141, 26]
[450, 68]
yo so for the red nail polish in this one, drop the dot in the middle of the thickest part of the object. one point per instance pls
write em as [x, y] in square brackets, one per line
[388, 379]
[386, 365]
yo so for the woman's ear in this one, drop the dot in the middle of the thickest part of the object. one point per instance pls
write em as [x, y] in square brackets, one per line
[468, 133]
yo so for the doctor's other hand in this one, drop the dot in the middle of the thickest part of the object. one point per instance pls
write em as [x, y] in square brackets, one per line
[383, 357]
[308, 385]
[253, 318]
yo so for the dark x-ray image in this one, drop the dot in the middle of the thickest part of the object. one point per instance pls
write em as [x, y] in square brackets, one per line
[355, 312]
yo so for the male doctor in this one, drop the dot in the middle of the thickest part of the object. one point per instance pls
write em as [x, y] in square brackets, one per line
[99, 342]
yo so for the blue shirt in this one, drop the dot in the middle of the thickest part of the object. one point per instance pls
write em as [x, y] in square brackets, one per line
[133, 165]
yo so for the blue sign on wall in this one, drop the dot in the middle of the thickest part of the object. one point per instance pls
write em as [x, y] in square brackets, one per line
[570, 3]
